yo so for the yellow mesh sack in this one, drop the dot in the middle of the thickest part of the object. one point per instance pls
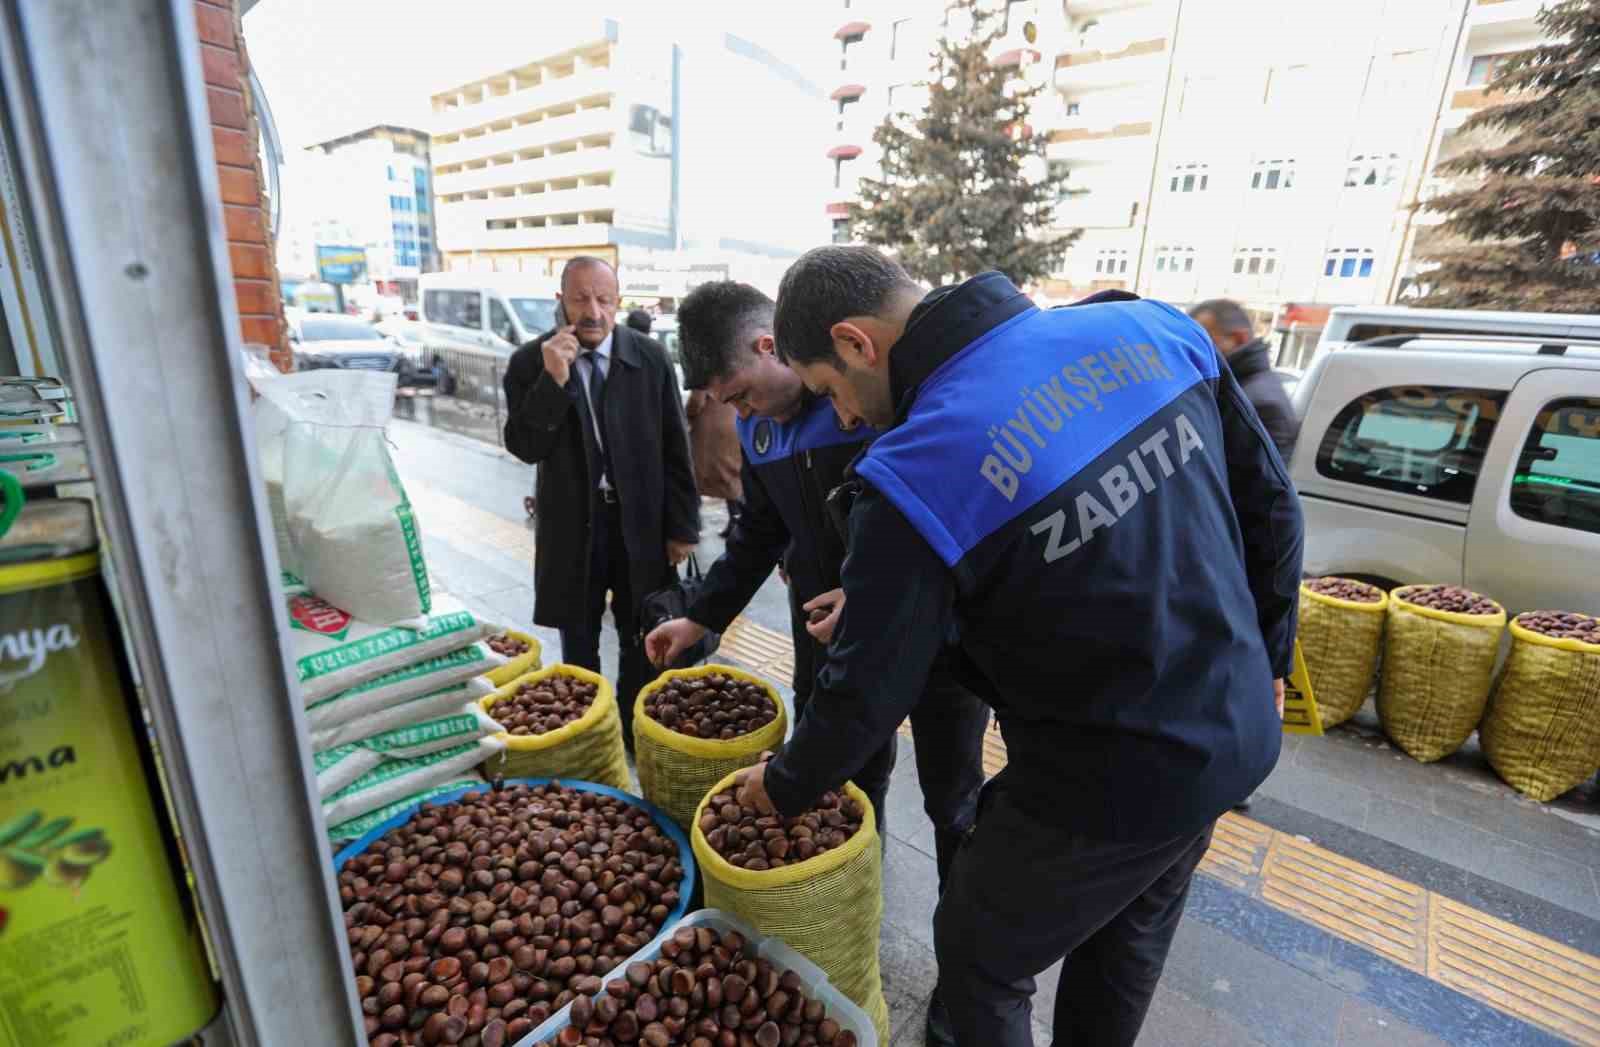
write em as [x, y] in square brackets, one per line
[829, 907]
[1341, 641]
[526, 662]
[676, 771]
[589, 749]
[1438, 667]
[1542, 729]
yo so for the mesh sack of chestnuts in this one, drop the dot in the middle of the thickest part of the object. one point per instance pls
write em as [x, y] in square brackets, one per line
[1541, 732]
[524, 653]
[693, 727]
[817, 884]
[560, 722]
[1438, 667]
[1341, 636]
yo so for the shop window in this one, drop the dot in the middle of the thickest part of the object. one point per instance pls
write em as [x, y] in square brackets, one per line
[1557, 481]
[1419, 440]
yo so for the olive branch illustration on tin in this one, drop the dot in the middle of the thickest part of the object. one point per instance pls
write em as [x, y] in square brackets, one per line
[31, 847]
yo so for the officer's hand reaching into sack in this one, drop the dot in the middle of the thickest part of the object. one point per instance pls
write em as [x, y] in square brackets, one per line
[823, 614]
[670, 639]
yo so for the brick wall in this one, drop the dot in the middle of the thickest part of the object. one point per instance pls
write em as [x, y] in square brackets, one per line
[234, 136]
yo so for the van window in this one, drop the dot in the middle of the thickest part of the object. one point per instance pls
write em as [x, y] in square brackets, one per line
[1421, 440]
[538, 315]
[456, 308]
[1558, 473]
[500, 322]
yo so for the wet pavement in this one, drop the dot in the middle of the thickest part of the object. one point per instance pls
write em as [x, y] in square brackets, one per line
[1363, 899]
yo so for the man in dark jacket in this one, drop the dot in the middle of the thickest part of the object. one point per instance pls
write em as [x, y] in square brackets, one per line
[1085, 495]
[617, 502]
[795, 453]
[1251, 363]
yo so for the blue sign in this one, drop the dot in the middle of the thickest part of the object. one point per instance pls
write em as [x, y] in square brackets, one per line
[341, 265]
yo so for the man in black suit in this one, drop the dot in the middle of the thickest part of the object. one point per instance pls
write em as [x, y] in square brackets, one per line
[617, 503]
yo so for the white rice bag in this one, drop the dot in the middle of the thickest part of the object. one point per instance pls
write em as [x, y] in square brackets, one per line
[356, 828]
[412, 681]
[334, 652]
[393, 780]
[388, 717]
[338, 767]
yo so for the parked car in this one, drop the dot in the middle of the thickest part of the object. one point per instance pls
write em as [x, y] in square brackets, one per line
[324, 340]
[1472, 461]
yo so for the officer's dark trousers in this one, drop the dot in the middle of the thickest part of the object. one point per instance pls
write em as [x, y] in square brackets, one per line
[580, 646]
[947, 732]
[1023, 894]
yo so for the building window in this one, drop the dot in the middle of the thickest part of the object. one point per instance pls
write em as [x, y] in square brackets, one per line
[1072, 108]
[844, 48]
[1188, 178]
[838, 169]
[1417, 440]
[1348, 262]
[1485, 68]
[1064, 191]
[1372, 169]
[1255, 261]
[420, 179]
[1174, 259]
[1111, 262]
[841, 230]
[1273, 174]
[1557, 480]
[422, 203]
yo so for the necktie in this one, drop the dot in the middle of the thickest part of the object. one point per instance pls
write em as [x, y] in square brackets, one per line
[597, 404]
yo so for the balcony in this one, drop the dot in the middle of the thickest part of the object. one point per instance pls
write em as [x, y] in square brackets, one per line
[1086, 142]
[1111, 64]
[552, 166]
[468, 214]
[1510, 13]
[536, 134]
[583, 234]
[1474, 98]
[496, 108]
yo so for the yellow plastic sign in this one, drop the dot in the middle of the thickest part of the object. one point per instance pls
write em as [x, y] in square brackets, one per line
[1300, 714]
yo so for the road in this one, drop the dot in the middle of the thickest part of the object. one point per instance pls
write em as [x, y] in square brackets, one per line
[1364, 898]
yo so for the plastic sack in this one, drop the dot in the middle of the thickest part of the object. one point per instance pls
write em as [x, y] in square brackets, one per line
[1541, 732]
[352, 532]
[1438, 667]
[813, 981]
[829, 908]
[442, 702]
[677, 771]
[526, 662]
[393, 779]
[1341, 641]
[343, 764]
[334, 651]
[428, 676]
[588, 749]
[358, 827]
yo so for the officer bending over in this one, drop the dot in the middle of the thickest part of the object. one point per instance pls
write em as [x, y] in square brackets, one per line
[1086, 497]
[795, 453]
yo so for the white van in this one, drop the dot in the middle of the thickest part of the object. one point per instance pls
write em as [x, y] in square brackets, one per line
[1348, 324]
[485, 311]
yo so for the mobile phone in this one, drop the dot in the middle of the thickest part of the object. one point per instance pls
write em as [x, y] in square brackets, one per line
[561, 315]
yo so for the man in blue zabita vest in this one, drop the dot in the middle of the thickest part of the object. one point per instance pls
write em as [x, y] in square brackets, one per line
[1084, 497]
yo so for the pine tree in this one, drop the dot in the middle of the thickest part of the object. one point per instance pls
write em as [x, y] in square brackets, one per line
[1532, 217]
[959, 190]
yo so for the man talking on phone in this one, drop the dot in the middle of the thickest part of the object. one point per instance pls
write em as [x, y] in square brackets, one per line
[596, 406]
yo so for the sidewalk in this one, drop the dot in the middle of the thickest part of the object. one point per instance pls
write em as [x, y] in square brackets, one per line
[1364, 899]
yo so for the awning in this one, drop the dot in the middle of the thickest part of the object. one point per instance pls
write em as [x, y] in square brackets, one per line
[849, 91]
[851, 29]
[838, 210]
[844, 152]
[1006, 59]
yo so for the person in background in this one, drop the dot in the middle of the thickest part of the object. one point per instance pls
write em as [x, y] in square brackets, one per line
[1251, 363]
[795, 453]
[640, 320]
[596, 407]
[1086, 501]
[714, 446]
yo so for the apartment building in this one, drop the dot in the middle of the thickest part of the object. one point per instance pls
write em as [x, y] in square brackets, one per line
[1211, 151]
[623, 141]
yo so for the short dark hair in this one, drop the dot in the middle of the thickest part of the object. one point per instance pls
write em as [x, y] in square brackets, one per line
[640, 321]
[717, 322]
[826, 285]
[1230, 315]
[580, 261]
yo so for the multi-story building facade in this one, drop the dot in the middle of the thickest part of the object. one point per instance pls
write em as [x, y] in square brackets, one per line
[370, 189]
[625, 144]
[1278, 161]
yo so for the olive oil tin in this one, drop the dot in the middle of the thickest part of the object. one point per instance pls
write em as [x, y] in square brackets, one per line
[99, 940]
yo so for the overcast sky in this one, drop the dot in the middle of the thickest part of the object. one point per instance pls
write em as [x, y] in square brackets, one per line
[329, 67]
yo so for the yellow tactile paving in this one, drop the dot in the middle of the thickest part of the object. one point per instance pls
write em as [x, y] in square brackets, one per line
[1513, 970]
